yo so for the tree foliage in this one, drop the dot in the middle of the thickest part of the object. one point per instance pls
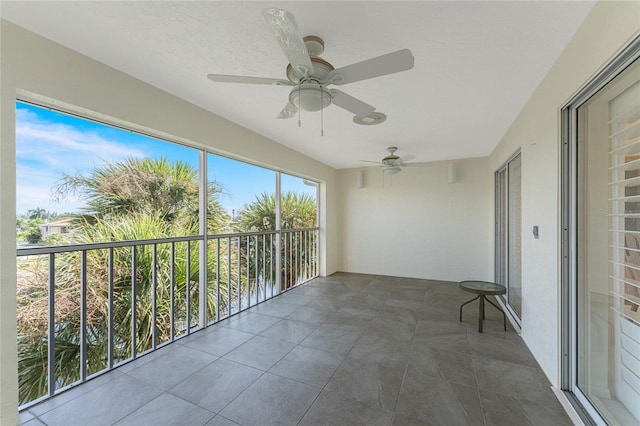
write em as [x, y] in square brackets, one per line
[297, 210]
[134, 185]
[27, 224]
[33, 235]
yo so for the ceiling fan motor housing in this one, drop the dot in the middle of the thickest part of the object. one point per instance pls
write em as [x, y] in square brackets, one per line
[392, 159]
[320, 70]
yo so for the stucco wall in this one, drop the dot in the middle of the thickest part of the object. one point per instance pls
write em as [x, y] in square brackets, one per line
[417, 224]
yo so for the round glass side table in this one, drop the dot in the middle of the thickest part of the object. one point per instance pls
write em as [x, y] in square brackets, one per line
[483, 289]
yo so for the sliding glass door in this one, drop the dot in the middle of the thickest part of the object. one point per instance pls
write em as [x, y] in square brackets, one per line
[509, 232]
[602, 221]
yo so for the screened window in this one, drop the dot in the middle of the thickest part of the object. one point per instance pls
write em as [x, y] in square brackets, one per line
[127, 242]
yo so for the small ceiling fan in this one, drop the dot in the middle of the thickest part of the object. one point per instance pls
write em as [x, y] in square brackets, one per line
[309, 75]
[392, 162]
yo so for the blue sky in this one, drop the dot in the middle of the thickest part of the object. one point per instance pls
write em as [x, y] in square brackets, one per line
[49, 144]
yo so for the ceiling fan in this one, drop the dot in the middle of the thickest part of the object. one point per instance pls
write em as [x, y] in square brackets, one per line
[309, 75]
[392, 162]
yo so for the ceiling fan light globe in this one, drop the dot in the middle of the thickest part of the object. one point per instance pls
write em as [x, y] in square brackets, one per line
[310, 97]
[394, 170]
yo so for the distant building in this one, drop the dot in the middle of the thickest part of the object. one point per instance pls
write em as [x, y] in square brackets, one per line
[61, 226]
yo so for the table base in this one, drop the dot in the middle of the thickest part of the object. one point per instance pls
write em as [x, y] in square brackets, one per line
[481, 311]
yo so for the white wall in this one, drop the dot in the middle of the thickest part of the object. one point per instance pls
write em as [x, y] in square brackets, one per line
[418, 225]
[34, 68]
[536, 130]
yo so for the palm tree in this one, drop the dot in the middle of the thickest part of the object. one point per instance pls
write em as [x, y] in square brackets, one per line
[37, 213]
[297, 210]
[136, 186]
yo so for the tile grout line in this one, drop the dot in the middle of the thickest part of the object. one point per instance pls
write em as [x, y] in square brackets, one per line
[404, 373]
[217, 358]
[264, 372]
[475, 377]
[330, 378]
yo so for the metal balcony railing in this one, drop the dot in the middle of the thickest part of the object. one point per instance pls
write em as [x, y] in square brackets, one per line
[85, 309]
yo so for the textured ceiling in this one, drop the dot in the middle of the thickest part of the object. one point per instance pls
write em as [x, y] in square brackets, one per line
[476, 64]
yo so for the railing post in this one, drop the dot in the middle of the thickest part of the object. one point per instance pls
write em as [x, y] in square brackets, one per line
[298, 255]
[309, 254]
[188, 287]
[204, 246]
[154, 294]
[172, 284]
[283, 271]
[271, 283]
[217, 279]
[134, 264]
[290, 261]
[239, 275]
[256, 272]
[83, 315]
[278, 235]
[202, 293]
[110, 325]
[51, 342]
[248, 271]
[316, 242]
[229, 276]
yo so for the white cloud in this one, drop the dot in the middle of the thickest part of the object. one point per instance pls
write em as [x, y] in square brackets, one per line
[46, 150]
[32, 196]
[61, 145]
[34, 186]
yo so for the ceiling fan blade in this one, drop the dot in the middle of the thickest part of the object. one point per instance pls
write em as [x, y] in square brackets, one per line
[373, 162]
[390, 63]
[222, 78]
[288, 111]
[350, 103]
[407, 157]
[422, 164]
[284, 27]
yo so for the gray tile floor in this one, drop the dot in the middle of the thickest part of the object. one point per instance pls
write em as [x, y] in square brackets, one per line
[349, 349]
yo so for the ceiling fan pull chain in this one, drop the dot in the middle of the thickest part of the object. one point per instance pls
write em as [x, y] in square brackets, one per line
[322, 122]
[299, 109]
